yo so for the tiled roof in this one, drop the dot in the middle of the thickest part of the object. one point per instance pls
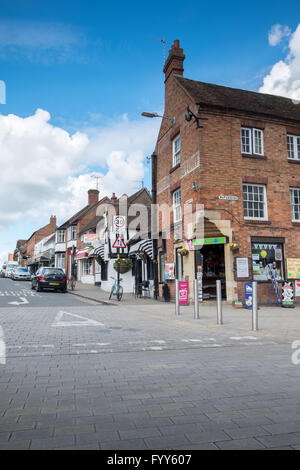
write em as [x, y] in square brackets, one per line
[241, 100]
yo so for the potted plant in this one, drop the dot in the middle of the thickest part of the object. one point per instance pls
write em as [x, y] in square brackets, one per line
[184, 252]
[125, 265]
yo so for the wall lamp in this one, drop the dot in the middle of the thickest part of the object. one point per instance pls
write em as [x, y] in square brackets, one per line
[189, 115]
[152, 115]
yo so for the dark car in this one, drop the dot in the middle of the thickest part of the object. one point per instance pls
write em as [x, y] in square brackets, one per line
[20, 274]
[49, 278]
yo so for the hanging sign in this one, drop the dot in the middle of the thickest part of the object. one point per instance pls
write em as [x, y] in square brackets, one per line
[119, 243]
[287, 295]
[183, 292]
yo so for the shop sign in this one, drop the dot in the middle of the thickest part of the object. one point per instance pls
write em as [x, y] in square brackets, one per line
[242, 267]
[293, 268]
[183, 292]
[297, 288]
[248, 294]
[210, 241]
[190, 245]
[89, 238]
[287, 294]
[169, 271]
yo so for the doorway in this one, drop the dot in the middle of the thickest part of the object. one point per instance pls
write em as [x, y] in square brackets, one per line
[212, 257]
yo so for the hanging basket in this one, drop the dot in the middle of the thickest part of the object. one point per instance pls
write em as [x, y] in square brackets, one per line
[125, 265]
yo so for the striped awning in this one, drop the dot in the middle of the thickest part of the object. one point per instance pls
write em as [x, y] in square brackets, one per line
[143, 246]
[98, 252]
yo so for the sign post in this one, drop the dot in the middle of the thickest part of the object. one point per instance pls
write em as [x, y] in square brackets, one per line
[183, 292]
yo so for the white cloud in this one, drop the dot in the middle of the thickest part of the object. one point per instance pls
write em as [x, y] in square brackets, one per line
[45, 170]
[284, 76]
[277, 33]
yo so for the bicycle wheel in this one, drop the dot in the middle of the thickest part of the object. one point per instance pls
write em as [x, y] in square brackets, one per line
[120, 293]
[111, 292]
[73, 284]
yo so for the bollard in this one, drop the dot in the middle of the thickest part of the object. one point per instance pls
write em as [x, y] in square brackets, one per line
[196, 300]
[219, 302]
[177, 311]
[254, 307]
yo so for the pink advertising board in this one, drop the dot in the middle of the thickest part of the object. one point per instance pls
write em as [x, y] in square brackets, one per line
[183, 292]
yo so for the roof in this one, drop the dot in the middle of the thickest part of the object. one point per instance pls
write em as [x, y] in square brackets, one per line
[91, 224]
[240, 100]
[74, 219]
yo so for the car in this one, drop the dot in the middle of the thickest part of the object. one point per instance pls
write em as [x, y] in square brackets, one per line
[49, 278]
[20, 274]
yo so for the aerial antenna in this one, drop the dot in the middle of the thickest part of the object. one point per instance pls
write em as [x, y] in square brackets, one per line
[97, 178]
[163, 42]
[140, 182]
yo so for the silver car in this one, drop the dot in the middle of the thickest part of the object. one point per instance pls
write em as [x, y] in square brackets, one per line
[21, 274]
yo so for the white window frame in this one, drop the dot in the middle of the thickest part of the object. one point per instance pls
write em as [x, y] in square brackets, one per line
[60, 260]
[292, 195]
[251, 133]
[72, 230]
[177, 215]
[176, 153]
[264, 201]
[59, 237]
[295, 149]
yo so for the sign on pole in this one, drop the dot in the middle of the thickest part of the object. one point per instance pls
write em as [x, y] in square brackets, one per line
[119, 242]
[119, 223]
[183, 292]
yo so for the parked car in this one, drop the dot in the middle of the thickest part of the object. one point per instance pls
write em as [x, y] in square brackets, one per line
[10, 265]
[49, 278]
[20, 274]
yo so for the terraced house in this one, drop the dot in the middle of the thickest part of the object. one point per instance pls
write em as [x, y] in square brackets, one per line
[243, 164]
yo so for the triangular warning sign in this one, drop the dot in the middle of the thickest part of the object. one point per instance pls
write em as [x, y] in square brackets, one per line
[77, 320]
[119, 243]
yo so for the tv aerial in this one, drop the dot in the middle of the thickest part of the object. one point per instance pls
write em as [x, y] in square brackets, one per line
[163, 42]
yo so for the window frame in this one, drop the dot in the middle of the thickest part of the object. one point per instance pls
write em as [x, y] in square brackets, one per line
[295, 149]
[252, 131]
[176, 206]
[176, 155]
[281, 263]
[72, 230]
[59, 237]
[292, 189]
[265, 202]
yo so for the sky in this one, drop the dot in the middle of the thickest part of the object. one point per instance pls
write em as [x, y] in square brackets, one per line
[78, 74]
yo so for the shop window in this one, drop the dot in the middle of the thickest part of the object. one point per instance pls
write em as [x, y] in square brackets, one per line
[264, 254]
[162, 263]
[60, 260]
[87, 267]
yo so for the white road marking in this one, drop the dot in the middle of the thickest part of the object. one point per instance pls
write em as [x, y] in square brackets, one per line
[83, 320]
[24, 301]
[192, 340]
[2, 347]
[156, 348]
[238, 338]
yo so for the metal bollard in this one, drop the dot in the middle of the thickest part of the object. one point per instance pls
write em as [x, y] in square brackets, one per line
[177, 309]
[254, 307]
[219, 302]
[196, 300]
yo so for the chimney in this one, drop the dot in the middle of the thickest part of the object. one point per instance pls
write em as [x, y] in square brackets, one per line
[174, 62]
[113, 198]
[53, 221]
[93, 196]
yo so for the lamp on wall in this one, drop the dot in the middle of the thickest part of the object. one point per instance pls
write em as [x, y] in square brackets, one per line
[189, 115]
[152, 115]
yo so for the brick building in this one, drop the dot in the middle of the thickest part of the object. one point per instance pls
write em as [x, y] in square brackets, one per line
[37, 236]
[243, 165]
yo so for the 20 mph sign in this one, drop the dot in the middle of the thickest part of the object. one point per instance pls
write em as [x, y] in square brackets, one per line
[119, 223]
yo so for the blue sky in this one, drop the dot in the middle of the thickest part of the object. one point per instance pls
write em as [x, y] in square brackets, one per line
[93, 66]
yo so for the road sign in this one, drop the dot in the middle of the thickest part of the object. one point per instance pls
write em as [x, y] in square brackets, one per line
[119, 243]
[119, 223]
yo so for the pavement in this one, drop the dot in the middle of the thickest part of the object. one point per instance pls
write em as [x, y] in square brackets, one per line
[79, 374]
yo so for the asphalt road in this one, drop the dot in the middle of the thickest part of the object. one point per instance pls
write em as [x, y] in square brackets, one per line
[80, 375]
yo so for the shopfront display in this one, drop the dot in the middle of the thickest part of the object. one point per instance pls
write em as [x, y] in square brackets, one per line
[264, 254]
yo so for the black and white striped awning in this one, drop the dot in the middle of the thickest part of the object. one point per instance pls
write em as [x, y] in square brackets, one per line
[98, 252]
[143, 246]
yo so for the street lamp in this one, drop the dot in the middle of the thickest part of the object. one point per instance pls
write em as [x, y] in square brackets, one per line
[152, 115]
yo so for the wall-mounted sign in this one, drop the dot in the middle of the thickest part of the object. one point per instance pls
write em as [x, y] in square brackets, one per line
[293, 268]
[228, 198]
[242, 267]
[210, 241]
[169, 271]
[88, 238]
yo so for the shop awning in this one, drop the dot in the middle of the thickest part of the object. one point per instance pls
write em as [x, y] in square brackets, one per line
[99, 252]
[142, 246]
[81, 254]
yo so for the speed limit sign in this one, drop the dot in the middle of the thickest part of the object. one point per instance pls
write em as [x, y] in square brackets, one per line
[119, 223]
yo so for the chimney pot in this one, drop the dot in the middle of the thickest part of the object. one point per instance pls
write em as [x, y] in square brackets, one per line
[93, 196]
[174, 62]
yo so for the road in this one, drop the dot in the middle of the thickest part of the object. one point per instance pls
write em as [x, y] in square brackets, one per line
[75, 374]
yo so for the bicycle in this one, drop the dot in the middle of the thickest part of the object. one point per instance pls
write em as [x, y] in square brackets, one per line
[71, 283]
[116, 289]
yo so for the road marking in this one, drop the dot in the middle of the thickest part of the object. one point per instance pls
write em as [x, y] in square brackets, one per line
[2, 347]
[238, 338]
[84, 321]
[24, 301]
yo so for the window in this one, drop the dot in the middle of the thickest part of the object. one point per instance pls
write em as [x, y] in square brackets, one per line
[60, 260]
[176, 150]
[255, 201]
[177, 205]
[60, 236]
[267, 257]
[295, 203]
[293, 147]
[252, 141]
[87, 267]
[162, 262]
[72, 232]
